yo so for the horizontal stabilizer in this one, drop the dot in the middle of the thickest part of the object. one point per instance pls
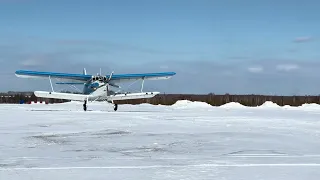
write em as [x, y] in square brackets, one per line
[132, 96]
[70, 83]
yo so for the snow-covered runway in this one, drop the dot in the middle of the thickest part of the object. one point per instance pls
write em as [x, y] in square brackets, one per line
[183, 141]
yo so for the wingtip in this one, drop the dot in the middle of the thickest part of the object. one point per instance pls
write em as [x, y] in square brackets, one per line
[173, 73]
[17, 73]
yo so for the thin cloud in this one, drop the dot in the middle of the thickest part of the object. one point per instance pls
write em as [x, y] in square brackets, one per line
[303, 39]
[293, 50]
[238, 57]
[287, 67]
[120, 46]
[30, 62]
[255, 69]
[164, 67]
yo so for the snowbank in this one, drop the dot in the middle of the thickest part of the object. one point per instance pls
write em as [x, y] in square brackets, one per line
[186, 104]
[269, 104]
[232, 105]
[181, 104]
[310, 106]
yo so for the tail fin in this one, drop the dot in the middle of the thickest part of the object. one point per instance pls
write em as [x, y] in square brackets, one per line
[84, 71]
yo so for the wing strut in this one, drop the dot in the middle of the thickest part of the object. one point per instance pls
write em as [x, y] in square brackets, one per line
[142, 84]
[51, 84]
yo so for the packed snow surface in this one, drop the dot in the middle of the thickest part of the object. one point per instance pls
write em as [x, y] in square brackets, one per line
[188, 140]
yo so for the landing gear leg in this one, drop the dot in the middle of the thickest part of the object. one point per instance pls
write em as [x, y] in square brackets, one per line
[85, 106]
[115, 107]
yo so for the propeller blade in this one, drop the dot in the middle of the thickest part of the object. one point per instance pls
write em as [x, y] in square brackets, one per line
[114, 85]
[110, 76]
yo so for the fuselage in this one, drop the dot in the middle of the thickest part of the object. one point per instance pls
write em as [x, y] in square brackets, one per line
[94, 87]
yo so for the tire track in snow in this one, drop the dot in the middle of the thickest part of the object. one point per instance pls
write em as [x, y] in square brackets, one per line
[165, 166]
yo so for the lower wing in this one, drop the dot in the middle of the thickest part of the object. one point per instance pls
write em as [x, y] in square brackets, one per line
[82, 97]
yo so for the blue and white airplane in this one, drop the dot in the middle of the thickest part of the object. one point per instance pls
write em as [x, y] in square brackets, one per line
[95, 87]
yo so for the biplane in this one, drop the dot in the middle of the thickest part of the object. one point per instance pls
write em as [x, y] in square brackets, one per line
[95, 87]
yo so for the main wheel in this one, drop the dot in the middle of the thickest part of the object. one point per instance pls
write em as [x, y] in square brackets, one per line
[115, 107]
[85, 106]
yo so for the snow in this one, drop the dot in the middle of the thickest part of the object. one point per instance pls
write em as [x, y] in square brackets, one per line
[186, 104]
[188, 140]
[232, 105]
[269, 104]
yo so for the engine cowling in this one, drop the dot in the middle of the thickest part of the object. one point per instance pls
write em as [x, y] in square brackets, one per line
[99, 78]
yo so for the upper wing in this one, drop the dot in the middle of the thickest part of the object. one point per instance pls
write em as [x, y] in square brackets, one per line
[120, 78]
[65, 76]
[115, 78]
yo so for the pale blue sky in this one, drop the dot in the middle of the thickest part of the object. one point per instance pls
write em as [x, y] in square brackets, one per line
[253, 41]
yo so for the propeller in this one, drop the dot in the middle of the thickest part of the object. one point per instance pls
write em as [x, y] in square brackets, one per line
[110, 76]
[111, 84]
[107, 81]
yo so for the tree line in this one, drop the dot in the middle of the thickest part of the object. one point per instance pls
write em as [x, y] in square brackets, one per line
[218, 100]
[169, 99]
